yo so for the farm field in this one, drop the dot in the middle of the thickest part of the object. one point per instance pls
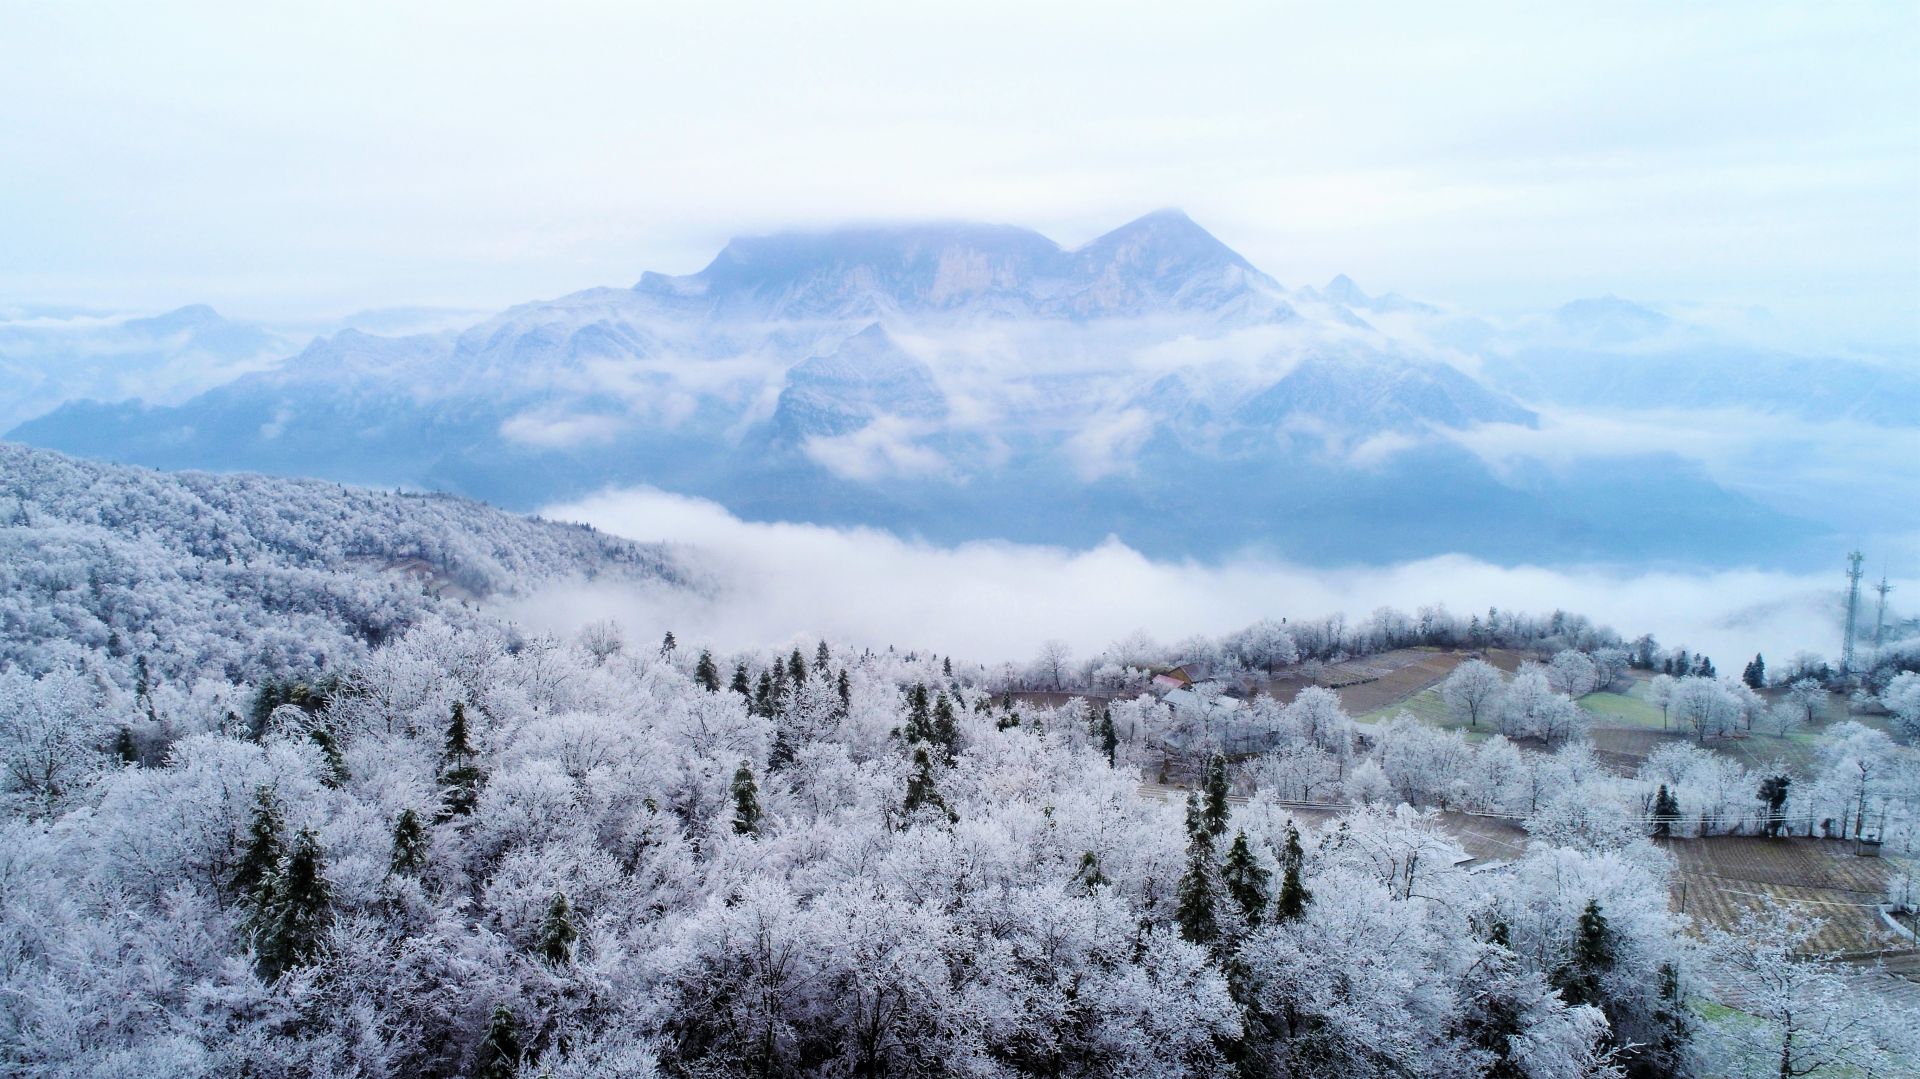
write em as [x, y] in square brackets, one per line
[1718, 879]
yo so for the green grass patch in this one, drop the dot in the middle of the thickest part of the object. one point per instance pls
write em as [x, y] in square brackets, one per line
[1426, 706]
[1621, 710]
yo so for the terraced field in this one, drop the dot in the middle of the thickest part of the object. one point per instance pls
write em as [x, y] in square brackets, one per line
[1720, 878]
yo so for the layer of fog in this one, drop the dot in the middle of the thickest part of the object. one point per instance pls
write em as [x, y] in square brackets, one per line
[780, 583]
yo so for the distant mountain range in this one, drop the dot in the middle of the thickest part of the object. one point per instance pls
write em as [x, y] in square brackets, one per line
[961, 382]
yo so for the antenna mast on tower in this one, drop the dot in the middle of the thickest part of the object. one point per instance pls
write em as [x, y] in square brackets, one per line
[1853, 611]
[1880, 616]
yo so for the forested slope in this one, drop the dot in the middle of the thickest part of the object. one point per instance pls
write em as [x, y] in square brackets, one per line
[114, 569]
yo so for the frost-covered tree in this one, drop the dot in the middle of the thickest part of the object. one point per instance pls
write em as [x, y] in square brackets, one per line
[1902, 699]
[1472, 691]
[1805, 1020]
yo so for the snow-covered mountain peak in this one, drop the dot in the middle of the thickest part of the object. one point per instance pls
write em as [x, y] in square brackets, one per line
[1344, 290]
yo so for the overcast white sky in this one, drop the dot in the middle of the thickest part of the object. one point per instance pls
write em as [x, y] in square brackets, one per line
[282, 161]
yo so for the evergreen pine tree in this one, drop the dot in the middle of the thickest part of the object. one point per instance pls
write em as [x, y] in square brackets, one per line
[1674, 1021]
[1196, 891]
[557, 933]
[499, 1056]
[667, 645]
[822, 657]
[1666, 810]
[1089, 875]
[763, 703]
[295, 922]
[125, 748]
[1579, 979]
[779, 698]
[333, 772]
[945, 728]
[409, 845]
[919, 715]
[260, 861]
[1756, 673]
[946, 667]
[781, 754]
[845, 689]
[797, 670]
[459, 775]
[1773, 791]
[1294, 896]
[920, 788]
[1109, 740]
[459, 747]
[740, 684]
[1217, 809]
[1245, 879]
[705, 673]
[746, 801]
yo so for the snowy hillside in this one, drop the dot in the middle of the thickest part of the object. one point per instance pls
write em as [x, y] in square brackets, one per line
[135, 575]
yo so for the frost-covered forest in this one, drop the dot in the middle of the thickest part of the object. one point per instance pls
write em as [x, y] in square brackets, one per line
[118, 571]
[278, 804]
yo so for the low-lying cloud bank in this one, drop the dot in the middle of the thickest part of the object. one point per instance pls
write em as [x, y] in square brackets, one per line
[777, 583]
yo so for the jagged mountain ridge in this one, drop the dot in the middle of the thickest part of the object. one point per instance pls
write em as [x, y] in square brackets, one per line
[930, 379]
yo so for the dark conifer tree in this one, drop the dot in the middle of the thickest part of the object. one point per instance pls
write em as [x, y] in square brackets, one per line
[1674, 1022]
[740, 684]
[921, 790]
[1197, 890]
[410, 845]
[293, 924]
[1294, 896]
[919, 716]
[822, 657]
[1773, 791]
[499, 1055]
[1666, 810]
[797, 670]
[845, 689]
[1755, 676]
[781, 754]
[459, 745]
[557, 933]
[746, 801]
[667, 645]
[779, 698]
[333, 772]
[266, 845]
[1245, 879]
[1217, 808]
[946, 667]
[1109, 739]
[945, 728]
[705, 673]
[763, 699]
[125, 748]
[1579, 979]
[1089, 875]
[459, 774]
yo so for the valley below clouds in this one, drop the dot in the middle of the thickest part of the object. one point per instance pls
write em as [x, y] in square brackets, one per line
[780, 582]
